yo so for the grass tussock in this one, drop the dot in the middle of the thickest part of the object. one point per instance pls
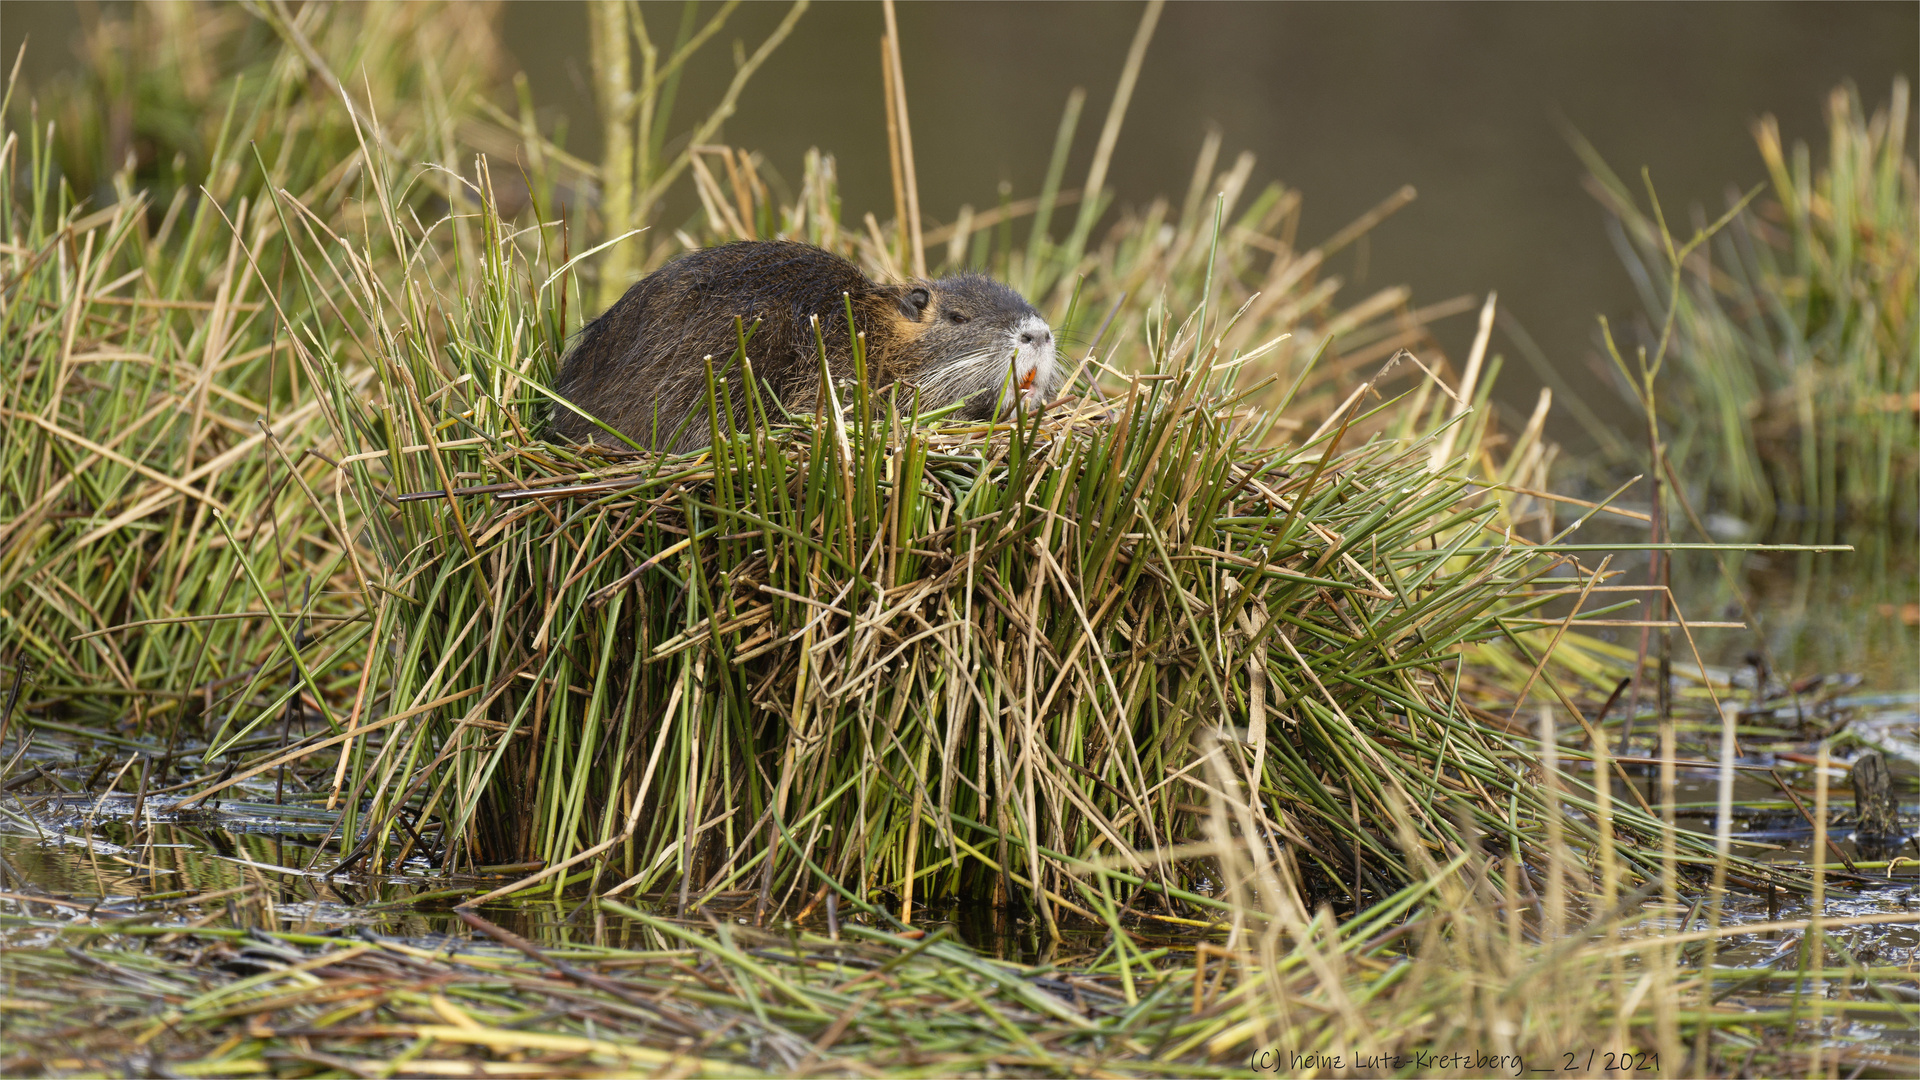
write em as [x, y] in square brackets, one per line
[857, 656]
[1794, 335]
[153, 395]
[943, 663]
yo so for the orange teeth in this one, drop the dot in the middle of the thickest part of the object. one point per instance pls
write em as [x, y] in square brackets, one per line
[1026, 381]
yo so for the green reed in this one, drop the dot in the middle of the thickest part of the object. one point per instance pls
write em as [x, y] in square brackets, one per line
[1795, 337]
[155, 569]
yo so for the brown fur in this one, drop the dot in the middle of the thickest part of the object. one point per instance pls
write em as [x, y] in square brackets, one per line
[641, 366]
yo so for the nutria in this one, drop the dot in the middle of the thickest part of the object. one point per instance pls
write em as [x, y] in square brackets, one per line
[641, 367]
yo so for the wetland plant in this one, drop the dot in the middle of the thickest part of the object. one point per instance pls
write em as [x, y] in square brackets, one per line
[1793, 336]
[1181, 668]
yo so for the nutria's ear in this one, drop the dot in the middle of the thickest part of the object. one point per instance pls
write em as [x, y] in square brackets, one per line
[914, 301]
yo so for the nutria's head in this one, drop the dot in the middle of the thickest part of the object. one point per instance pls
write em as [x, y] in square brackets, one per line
[967, 339]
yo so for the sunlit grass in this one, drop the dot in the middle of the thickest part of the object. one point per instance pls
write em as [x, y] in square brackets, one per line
[1795, 339]
[1176, 671]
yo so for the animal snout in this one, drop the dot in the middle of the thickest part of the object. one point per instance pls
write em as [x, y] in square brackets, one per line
[1036, 337]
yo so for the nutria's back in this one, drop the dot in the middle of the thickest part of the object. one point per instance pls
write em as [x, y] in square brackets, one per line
[641, 366]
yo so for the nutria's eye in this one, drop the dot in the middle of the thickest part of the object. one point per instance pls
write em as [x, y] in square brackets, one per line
[919, 298]
[956, 318]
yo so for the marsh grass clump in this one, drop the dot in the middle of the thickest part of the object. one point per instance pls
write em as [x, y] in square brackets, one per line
[1795, 337]
[879, 657]
[943, 662]
[154, 576]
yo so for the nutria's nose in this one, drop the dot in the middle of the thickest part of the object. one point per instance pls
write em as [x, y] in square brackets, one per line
[1030, 337]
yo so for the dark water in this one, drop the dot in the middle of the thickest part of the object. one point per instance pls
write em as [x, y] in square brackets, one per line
[1346, 102]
